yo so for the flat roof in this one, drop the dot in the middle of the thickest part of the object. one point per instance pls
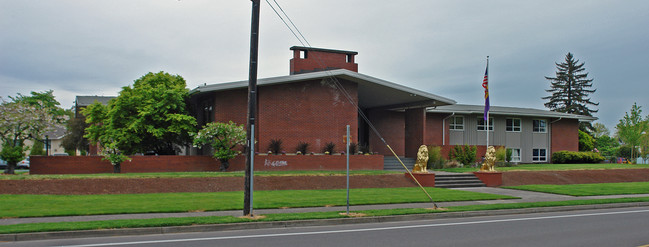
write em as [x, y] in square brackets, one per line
[304, 48]
[508, 111]
[372, 92]
[88, 100]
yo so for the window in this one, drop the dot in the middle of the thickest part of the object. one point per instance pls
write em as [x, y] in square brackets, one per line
[538, 155]
[482, 124]
[516, 154]
[539, 125]
[457, 123]
[513, 124]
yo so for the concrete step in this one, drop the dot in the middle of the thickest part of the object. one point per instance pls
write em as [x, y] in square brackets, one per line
[459, 180]
[393, 164]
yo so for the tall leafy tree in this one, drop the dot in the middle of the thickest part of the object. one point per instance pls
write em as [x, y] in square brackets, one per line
[150, 116]
[599, 130]
[633, 128]
[570, 89]
[20, 121]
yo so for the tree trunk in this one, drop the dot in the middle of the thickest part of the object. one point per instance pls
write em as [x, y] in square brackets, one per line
[117, 168]
[224, 165]
[10, 169]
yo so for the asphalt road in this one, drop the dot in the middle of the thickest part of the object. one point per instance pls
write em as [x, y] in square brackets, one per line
[603, 227]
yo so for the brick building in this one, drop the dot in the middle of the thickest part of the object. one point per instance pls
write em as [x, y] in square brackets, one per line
[310, 105]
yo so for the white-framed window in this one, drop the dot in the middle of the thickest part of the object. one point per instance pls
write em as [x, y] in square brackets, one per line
[456, 123]
[539, 155]
[513, 124]
[516, 154]
[539, 125]
[482, 124]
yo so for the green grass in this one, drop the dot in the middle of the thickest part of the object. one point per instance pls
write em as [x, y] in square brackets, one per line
[160, 222]
[61, 205]
[552, 167]
[196, 174]
[589, 189]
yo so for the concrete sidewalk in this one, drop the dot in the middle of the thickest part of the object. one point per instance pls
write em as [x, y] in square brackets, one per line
[526, 196]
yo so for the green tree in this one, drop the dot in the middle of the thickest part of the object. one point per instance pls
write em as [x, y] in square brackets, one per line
[586, 142]
[632, 129]
[150, 116]
[73, 139]
[20, 121]
[607, 146]
[570, 90]
[224, 140]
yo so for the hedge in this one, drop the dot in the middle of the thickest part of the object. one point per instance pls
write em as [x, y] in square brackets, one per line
[571, 157]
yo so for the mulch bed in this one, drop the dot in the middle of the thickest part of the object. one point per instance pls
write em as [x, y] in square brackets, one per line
[514, 178]
[171, 185]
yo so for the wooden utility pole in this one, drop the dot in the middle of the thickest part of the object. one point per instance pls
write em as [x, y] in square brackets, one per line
[252, 107]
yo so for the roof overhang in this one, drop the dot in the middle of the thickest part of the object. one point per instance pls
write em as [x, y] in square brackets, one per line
[508, 111]
[372, 92]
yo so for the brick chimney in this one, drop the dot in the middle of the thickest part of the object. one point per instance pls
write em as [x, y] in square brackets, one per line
[306, 59]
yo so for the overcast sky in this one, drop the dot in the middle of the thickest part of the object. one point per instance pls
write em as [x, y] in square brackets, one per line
[97, 47]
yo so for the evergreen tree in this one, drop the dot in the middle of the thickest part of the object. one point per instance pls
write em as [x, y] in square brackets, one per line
[570, 89]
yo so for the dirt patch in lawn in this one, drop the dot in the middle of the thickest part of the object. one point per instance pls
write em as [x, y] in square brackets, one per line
[514, 178]
[216, 184]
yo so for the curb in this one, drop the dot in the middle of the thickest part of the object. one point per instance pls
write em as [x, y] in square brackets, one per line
[297, 223]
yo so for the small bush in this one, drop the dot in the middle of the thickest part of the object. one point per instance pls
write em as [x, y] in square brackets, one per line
[570, 157]
[501, 154]
[275, 146]
[435, 159]
[302, 147]
[453, 164]
[463, 154]
[329, 148]
[364, 149]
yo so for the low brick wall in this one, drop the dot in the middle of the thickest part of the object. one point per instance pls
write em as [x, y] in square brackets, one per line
[174, 163]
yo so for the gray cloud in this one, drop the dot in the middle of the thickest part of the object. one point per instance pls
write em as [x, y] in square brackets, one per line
[97, 47]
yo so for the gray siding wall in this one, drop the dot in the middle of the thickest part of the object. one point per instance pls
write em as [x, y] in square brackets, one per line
[525, 140]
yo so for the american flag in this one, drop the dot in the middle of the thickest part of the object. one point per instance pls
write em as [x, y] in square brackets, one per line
[485, 85]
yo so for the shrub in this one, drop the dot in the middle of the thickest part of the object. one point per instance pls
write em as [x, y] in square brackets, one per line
[508, 154]
[364, 149]
[586, 142]
[501, 154]
[571, 157]
[353, 148]
[329, 148]
[435, 159]
[463, 154]
[302, 147]
[275, 146]
[452, 164]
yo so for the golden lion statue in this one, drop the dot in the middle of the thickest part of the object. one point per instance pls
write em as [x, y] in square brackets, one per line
[489, 161]
[422, 160]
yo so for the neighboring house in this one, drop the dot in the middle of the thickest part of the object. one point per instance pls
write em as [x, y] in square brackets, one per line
[54, 139]
[306, 106]
[82, 102]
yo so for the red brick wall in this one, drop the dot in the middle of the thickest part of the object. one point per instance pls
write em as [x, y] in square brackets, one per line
[172, 163]
[415, 131]
[434, 129]
[565, 135]
[391, 125]
[316, 60]
[312, 111]
[231, 105]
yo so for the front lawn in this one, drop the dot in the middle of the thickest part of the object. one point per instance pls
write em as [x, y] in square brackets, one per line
[588, 189]
[60, 205]
[552, 167]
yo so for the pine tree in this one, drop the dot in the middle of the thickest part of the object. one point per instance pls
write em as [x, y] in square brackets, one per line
[570, 89]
